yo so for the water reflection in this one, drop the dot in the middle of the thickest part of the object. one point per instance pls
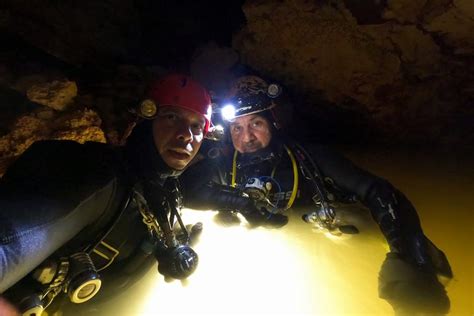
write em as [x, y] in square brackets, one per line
[296, 271]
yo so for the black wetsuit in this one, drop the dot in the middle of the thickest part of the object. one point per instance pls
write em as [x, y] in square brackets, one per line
[342, 181]
[61, 197]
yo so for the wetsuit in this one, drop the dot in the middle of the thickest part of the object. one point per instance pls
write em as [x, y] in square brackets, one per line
[342, 181]
[61, 197]
[339, 180]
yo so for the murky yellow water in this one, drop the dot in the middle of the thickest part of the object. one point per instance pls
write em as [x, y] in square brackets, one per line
[297, 271]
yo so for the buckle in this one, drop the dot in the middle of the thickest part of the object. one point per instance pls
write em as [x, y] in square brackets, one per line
[105, 254]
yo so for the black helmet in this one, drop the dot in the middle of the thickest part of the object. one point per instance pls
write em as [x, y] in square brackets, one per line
[249, 95]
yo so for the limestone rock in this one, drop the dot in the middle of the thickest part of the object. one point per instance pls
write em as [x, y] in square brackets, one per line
[455, 27]
[56, 94]
[404, 77]
[417, 51]
[80, 126]
[317, 48]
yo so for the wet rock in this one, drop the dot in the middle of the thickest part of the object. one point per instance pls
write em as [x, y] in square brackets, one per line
[56, 94]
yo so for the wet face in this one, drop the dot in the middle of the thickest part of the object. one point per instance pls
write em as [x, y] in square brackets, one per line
[250, 133]
[178, 135]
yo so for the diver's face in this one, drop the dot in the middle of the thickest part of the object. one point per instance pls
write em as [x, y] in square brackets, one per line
[250, 133]
[178, 134]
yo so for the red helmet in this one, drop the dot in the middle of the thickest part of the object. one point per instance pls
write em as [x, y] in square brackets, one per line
[183, 91]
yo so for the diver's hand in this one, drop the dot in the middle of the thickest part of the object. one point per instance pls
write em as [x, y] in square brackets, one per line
[410, 289]
[260, 216]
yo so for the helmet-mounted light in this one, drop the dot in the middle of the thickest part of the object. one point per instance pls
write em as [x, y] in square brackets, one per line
[147, 109]
[273, 90]
[228, 112]
[246, 104]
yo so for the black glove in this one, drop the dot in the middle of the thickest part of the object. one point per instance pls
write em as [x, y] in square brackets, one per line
[259, 216]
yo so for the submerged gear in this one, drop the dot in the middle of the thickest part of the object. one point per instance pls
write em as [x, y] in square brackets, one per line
[177, 90]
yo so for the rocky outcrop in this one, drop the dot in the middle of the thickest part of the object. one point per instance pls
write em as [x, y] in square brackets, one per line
[56, 95]
[405, 71]
[44, 123]
[43, 104]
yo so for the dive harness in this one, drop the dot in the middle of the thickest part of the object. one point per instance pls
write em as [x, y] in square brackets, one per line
[258, 188]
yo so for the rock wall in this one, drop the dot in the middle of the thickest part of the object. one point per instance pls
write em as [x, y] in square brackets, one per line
[407, 69]
[39, 103]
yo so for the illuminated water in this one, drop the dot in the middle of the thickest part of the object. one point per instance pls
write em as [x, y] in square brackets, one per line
[296, 271]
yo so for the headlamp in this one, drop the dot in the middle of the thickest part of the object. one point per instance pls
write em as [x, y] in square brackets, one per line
[273, 90]
[147, 109]
[228, 112]
[246, 105]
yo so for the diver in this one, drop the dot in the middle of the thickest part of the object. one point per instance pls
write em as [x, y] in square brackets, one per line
[83, 221]
[261, 172]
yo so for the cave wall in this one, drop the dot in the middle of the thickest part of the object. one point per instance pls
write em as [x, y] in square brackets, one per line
[406, 66]
[384, 71]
